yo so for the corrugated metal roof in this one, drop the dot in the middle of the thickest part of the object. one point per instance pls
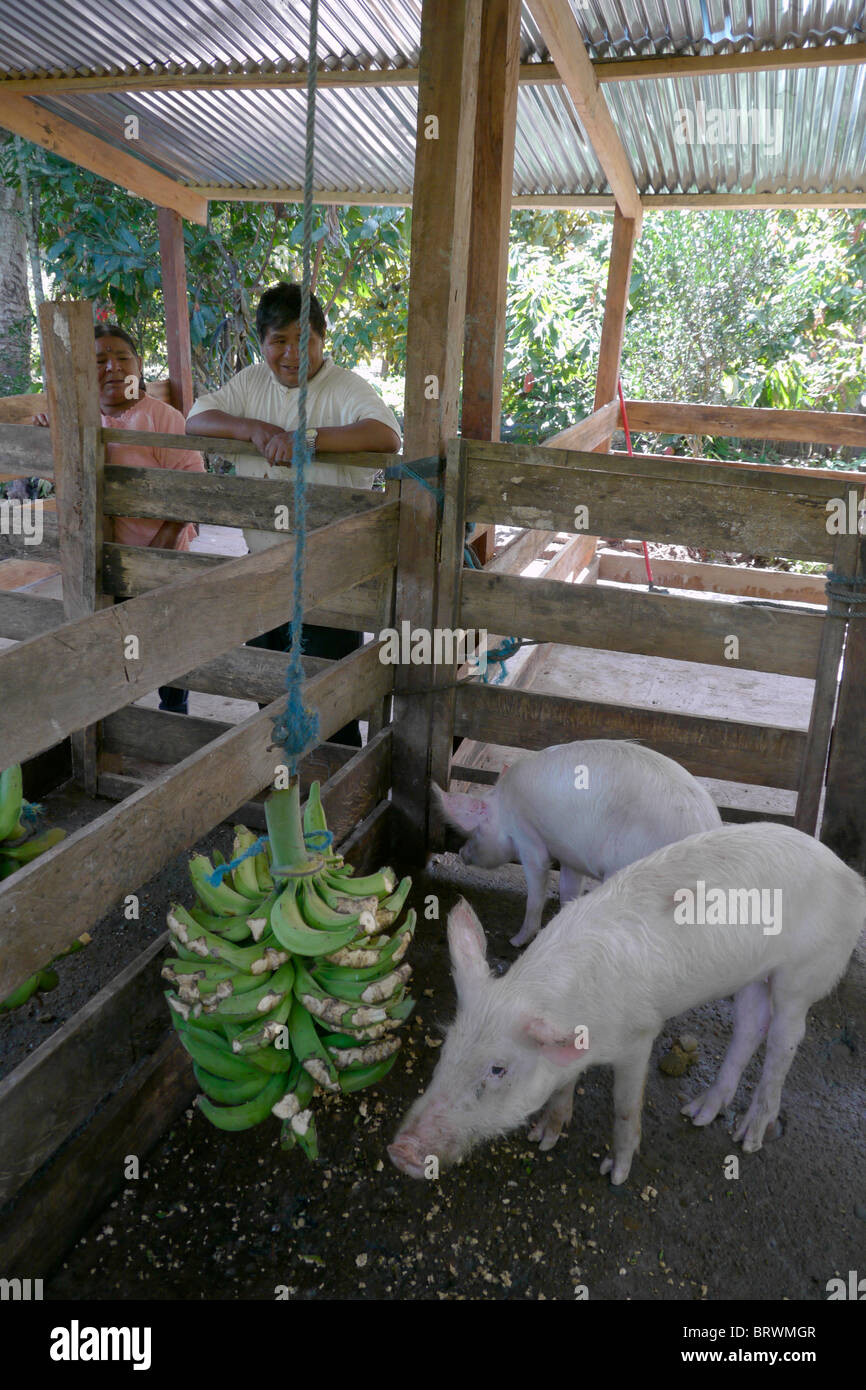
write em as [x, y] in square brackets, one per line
[813, 139]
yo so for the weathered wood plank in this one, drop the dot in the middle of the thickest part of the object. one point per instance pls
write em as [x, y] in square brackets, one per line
[221, 500]
[18, 410]
[370, 846]
[677, 626]
[214, 444]
[626, 229]
[172, 260]
[25, 450]
[448, 617]
[84, 876]
[247, 673]
[723, 748]
[441, 219]
[843, 824]
[56, 1087]
[589, 433]
[157, 735]
[529, 492]
[57, 1205]
[741, 422]
[20, 547]
[747, 580]
[176, 630]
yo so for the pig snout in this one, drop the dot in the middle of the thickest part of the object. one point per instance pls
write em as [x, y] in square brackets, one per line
[422, 1137]
[408, 1154]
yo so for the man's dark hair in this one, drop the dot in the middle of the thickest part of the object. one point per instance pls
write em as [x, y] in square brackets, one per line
[281, 305]
[114, 330]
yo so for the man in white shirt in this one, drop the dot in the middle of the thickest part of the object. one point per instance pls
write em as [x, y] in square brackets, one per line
[344, 415]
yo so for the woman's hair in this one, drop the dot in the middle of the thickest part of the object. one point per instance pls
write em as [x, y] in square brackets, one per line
[281, 305]
[114, 330]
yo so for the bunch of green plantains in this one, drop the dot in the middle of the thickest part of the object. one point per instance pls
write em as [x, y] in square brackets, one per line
[19, 845]
[287, 974]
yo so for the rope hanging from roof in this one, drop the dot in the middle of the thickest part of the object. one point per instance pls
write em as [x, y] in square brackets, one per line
[297, 729]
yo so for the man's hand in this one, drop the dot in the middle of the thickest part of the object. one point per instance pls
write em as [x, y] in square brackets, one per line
[279, 447]
[262, 436]
[40, 419]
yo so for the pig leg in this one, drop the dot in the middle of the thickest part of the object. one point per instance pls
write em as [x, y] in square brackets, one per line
[629, 1078]
[555, 1115]
[784, 1037]
[751, 1021]
[570, 884]
[536, 862]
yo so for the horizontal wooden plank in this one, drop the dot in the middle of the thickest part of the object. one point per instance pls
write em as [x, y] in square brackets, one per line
[158, 736]
[746, 580]
[206, 443]
[588, 433]
[26, 615]
[21, 547]
[17, 410]
[247, 673]
[685, 628]
[530, 492]
[221, 500]
[178, 627]
[48, 1215]
[26, 451]
[369, 846]
[130, 571]
[56, 1087]
[726, 749]
[740, 422]
[88, 873]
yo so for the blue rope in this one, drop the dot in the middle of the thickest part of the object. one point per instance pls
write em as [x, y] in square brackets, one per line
[313, 839]
[298, 728]
[420, 471]
[501, 654]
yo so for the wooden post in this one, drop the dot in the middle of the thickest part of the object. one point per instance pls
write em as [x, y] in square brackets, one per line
[843, 826]
[615, 308]
[174, 294]
[487, 281]
[447, 88]
[79, 462]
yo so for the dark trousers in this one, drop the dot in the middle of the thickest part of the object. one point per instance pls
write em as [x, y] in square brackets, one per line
[329, 642]
[171, 697]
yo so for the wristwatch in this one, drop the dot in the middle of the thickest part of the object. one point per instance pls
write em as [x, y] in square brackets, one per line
[311, 437]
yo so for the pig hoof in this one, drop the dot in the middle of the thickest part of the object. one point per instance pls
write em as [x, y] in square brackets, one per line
[704, 1108]
[618, 1171]
[522, 938]
[544, 1135]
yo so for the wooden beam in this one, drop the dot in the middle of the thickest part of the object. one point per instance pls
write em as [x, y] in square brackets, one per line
[57, 1087]
[723, 748]
[745, 580]
[743, 422]
[590, 433]
[172, 259]
[510, 485]
[58, 1204]
[84, 876]
[18, 410]
[81, 147]
[447, 617]
[623, 240]
[25, 450]
[677, 626]
[560, 31]
[25, 615]
[447, 92]
[532, 74]
[66, 330]
[843, 825]
[175, 629]
[493, 172]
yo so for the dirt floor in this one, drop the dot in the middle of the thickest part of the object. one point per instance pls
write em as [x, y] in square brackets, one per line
[225, 1216]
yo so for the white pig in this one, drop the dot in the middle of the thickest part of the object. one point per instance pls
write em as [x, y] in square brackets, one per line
[595, 806]
[599, 982]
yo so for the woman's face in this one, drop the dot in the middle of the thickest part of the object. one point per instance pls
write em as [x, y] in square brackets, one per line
[118, 369]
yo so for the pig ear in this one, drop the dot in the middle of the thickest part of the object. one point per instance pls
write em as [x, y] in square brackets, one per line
[464, 812]
[557, 1046]
[468, 946]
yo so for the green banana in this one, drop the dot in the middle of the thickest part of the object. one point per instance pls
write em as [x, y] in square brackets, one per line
[389, 908]
[244, 876]
[7, 867]
[263, 1034]
[229, 1092]
[294, 935]
[344, 902]
[251, 1112]
[308, 1047]
[371, 991]
[205, 943]
[232, 928]
[316, 912]
[265, 878]
[11, 800]
[214, 1060]
[378, 885]
[356, 1078]
[219, 898]
[365, 1055]
[20, 995]
[314, 811]
[257, 1002]
[31, 849]
[304, 1129]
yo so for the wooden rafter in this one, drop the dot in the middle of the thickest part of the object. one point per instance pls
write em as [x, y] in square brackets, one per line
[55, 133]
[533, 74]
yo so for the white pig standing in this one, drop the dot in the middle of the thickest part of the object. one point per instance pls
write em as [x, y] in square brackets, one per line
[597, 985]
[595, 806]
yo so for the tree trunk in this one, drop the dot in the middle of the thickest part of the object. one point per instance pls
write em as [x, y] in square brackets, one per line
[15, 311]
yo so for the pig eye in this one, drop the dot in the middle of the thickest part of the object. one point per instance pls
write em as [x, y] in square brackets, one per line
[498, 1071]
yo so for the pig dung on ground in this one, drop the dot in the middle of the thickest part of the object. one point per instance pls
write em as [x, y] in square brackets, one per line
[596, 806]
[760, 911]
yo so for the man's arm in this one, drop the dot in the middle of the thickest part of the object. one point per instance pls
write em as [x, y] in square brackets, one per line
[364, 436]
[219, 424]
[166, 537]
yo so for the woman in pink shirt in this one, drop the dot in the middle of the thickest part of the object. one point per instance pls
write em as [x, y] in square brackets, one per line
[124, 405]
